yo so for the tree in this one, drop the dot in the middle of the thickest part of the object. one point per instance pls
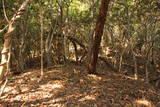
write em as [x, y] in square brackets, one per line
[8, 37]
[98, 35]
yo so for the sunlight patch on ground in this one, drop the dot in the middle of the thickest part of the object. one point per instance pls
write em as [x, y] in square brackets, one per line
[55, 71]
[74, 95]
[30, 72]
[144, 102]
[129, 77]
[31, 95]
[51, 86]
[8, 89]
[56, 100]
[24, 89]
[88, 97]
[57, 105]
[11, 90]
[44, 91]
[95, 77]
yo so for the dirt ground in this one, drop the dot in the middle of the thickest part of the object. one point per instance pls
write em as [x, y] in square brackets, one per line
[71, 86]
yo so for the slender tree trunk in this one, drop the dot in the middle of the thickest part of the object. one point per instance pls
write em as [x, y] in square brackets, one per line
[8, 38]
[47, 49]
[146, 69]
[22, 58]
[147, 64]
[49, 38]
[42, 49]
[90, 44]
[121, 57]
[75, 50]
[135, 64]
[61, 31]
[98, 35]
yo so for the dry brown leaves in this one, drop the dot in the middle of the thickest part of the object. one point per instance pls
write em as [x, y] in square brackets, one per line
[71, 86]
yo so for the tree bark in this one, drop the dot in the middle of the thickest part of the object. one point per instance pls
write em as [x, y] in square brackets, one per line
[8, 37]
[98, 35]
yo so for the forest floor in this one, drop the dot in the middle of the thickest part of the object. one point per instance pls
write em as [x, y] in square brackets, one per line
[71, 86]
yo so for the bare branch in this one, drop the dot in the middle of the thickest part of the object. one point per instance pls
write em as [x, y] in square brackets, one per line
[4, 11]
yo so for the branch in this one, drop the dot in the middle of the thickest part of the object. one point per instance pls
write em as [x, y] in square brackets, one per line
[72, 39]
[4, 11]
[3, 29]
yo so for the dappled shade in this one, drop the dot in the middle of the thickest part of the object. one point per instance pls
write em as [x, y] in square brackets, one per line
[73, 87]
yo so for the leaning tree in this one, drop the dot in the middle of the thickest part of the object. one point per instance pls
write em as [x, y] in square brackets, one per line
[5, 53]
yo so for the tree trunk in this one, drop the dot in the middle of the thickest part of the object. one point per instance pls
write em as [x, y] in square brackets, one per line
[135, 64]
[42, 50]
[98, 35]
[148, 63]
[121, 57]
[90, 45]
[75, 49]
[8, 37]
